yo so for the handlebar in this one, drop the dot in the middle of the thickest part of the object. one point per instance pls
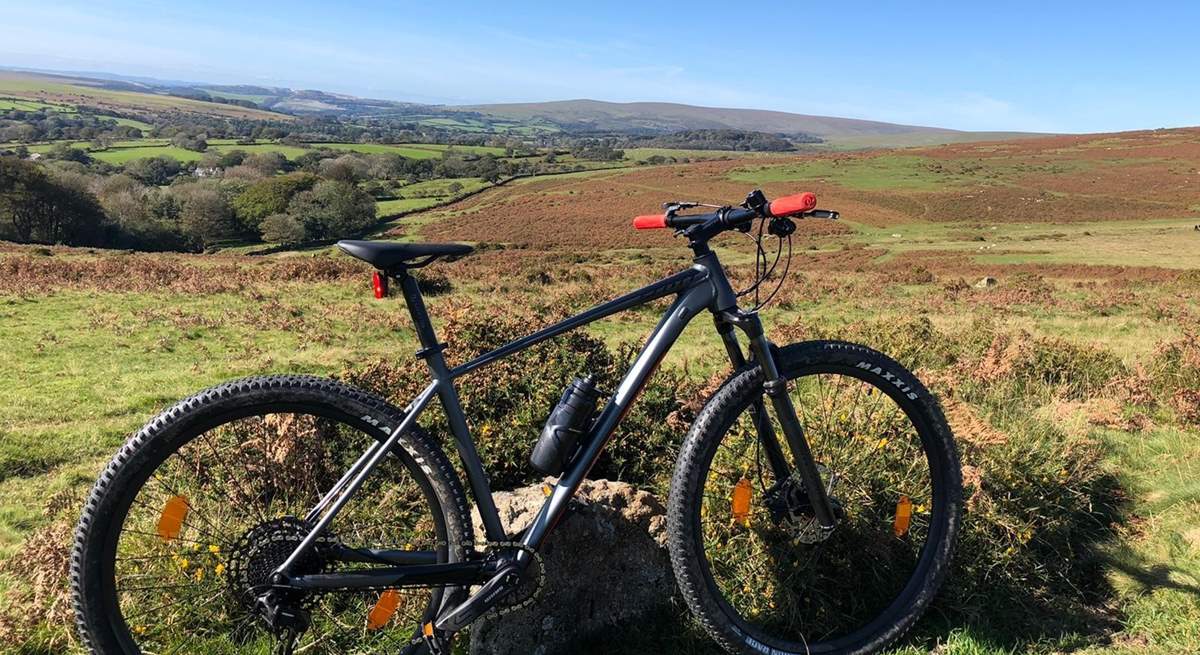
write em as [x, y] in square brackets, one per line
[800, 204]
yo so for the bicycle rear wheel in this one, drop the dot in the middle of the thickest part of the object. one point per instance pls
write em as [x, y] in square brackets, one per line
[185, 525]
[752, 562]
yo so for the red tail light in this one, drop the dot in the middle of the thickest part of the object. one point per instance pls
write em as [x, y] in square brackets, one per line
[379, 283]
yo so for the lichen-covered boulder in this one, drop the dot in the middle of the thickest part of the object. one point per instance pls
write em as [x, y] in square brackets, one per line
[606, 564]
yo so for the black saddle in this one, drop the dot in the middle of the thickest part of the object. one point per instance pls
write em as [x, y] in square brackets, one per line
[388, 255]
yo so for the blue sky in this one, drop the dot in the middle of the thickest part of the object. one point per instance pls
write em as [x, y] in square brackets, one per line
[1043, 66]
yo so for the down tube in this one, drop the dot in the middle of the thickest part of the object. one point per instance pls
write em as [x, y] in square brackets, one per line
[685, 307]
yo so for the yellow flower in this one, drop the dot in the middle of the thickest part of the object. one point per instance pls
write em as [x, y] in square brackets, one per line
[183, 563]
[219, 569]
[882, 442]
[199, 574]
[214, 549]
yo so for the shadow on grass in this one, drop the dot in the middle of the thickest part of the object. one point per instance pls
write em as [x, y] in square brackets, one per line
[1153, 577]
[1056, 597]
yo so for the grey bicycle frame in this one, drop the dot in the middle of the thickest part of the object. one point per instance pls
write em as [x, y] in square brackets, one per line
[703, 286]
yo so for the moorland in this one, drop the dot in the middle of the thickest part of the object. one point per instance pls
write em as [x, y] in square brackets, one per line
[1045, 288]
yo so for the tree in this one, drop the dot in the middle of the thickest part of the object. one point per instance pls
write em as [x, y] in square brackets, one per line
[268, 163]
[205, 216]
[38, 207]
[333, 209]
[154, 171]
[269, 196]
[281, 228]
[347, 168]
[198, 143]
[146, 217]
[454, 187]
[65, 152]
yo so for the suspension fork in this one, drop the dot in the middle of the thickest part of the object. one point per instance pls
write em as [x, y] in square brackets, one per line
[758, 410]
[775, 388]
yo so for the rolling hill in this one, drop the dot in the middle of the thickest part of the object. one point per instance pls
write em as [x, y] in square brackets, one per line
[658, 117]
[117, 95]
[115, 92]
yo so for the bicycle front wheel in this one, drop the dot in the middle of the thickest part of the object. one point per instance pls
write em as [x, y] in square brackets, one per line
[184, 527]
[756, 569]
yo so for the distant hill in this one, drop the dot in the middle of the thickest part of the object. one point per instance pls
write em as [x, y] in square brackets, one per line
[122, 92]
[661, 117]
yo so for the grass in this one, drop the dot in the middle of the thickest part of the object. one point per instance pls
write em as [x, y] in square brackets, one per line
[425, 194]
[642, 154]
[906, 172]
[1156, 571]
[11, 104]
[1167, 243]
[151, 347]
[1036, 374]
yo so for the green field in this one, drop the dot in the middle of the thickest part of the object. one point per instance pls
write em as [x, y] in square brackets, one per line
[426, 194]
[532, 127]
[123, 151]
[412, 150]
[11, 104]
[641, 154]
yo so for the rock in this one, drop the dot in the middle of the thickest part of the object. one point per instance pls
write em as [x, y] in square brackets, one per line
[986, 282]
[606, 564]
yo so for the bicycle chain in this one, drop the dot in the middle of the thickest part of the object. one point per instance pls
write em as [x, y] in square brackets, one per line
[238, 569]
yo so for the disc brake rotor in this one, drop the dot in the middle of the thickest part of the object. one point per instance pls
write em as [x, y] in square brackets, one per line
[789, 506]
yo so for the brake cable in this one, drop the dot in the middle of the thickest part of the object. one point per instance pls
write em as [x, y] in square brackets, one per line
[763, 272]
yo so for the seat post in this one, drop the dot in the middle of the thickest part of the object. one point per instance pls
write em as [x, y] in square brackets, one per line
[431, 349]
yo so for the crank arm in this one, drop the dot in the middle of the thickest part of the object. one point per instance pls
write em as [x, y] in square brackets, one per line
[491, 593]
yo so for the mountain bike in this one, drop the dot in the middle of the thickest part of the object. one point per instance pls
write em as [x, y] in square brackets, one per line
[814, 504]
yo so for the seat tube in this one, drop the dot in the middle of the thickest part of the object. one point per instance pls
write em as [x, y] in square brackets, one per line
[416, 309]
[775, 387]
[431, 352]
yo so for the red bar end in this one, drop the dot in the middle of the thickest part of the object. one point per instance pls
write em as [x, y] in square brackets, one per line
[650, 222]
[794, 204]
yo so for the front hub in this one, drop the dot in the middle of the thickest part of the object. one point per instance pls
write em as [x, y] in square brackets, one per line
[789, 506]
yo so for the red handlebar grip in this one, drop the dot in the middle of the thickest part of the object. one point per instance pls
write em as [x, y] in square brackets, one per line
[796, 204]
[650, 222]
